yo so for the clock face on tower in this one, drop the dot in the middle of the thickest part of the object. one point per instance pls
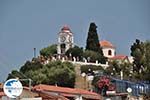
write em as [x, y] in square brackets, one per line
[62, 38]
[70, 39]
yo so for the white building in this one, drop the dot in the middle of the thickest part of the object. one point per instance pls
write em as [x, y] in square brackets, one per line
[65, 40]
[108, 49]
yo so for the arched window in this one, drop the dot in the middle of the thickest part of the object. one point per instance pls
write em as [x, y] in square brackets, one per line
[109, 52]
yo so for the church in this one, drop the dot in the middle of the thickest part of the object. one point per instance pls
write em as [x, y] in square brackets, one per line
[109, 51]
[66, 41]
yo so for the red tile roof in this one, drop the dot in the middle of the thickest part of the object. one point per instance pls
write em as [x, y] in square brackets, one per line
[47, 96]
[65, 27]
[105, 43]
[119, 57]
[66, 91]
[54, 88]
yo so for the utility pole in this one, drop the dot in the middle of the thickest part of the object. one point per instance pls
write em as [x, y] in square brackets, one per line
[34, 51]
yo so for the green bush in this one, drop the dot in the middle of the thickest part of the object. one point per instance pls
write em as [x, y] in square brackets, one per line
[85, 68]
[56, 72]
[49, 51]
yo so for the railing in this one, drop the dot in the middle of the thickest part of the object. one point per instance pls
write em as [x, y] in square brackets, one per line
[75, 61]
[137, 88]
[89, 63]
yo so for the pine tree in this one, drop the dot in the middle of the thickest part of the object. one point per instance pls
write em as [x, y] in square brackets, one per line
[92, 39]
[92, 42]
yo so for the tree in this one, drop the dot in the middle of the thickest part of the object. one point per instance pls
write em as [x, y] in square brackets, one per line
[14, 74]
[18, 75]
[62, 74]
[92, 42]
[56, 72]
[75, 52]
[31, 65]
[48, 51]
[146, 65]
[116, 67]
[91, 56]
[137, 51]
[140, 52]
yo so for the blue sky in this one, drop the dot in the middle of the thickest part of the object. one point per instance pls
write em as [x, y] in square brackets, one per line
[28, 24]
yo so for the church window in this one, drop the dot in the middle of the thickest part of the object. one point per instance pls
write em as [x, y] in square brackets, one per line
[109, 52]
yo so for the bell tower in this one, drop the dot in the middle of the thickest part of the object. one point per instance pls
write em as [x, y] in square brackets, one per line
[65, 40]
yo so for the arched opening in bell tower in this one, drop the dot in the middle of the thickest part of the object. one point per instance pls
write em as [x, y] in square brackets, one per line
[63, 47]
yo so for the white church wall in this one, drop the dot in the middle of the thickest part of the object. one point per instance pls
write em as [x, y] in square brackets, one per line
[106, 50]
